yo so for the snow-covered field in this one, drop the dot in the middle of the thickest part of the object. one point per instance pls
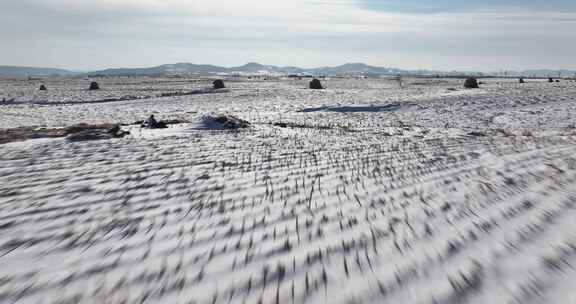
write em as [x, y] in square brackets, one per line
[371, 194]
[75, 90]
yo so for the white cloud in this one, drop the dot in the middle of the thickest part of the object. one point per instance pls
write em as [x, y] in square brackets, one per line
[235, 31]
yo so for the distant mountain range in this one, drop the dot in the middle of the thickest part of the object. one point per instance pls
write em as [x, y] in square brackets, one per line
[348, 69]
[254, 68]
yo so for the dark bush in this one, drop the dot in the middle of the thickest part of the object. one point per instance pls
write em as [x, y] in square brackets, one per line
[315, 84]
[471, 83]
[94, 86]
[218, 84]
[43, 88]
[521, 80]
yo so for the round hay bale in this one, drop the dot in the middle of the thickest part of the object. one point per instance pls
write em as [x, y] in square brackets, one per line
[218, 84]
[94, 86]
[471, 83]
[315, 84]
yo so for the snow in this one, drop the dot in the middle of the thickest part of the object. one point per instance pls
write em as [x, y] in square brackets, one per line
[368, 193]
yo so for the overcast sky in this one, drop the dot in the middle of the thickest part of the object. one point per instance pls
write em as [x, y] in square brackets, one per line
[434, 34]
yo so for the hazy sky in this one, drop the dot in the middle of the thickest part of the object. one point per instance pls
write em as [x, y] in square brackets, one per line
[435, 34]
